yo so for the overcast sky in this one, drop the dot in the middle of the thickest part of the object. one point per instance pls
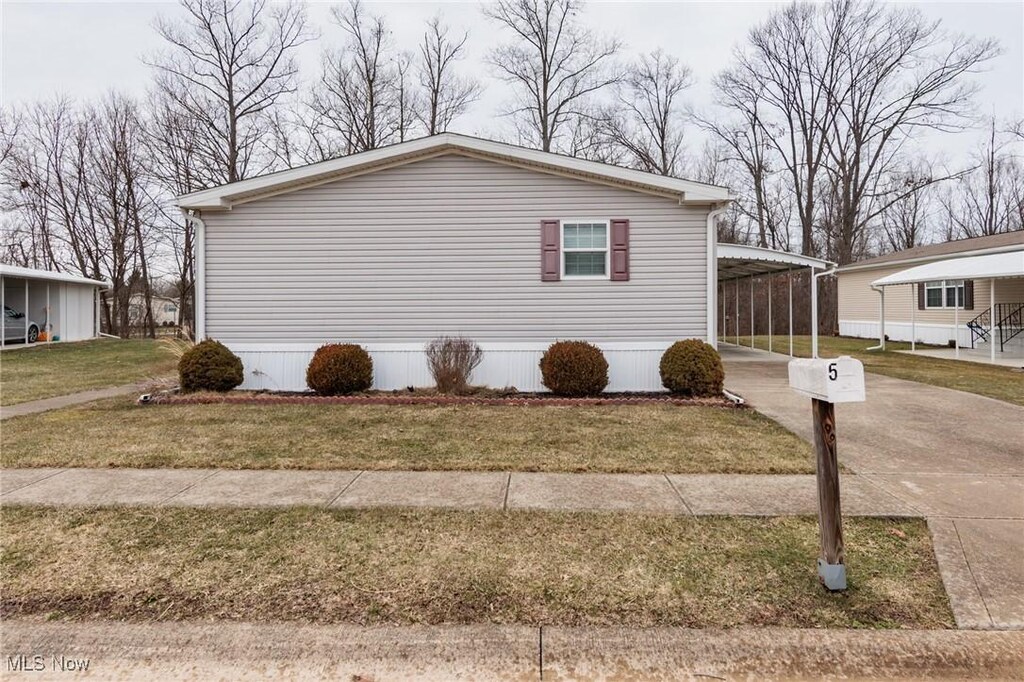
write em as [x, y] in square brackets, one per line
[83, 49]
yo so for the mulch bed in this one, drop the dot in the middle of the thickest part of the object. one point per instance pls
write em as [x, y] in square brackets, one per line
[400, 398]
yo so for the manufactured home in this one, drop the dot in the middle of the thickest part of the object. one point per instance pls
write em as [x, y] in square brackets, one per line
[453, 235]
[939, 306]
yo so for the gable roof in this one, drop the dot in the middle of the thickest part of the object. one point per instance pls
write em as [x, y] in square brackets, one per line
[975, 246]
[224, 196]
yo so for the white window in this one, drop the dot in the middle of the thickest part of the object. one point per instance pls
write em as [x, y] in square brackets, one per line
[585, 249]
[944, 294]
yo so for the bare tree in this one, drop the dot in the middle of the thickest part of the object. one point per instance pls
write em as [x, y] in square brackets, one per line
[840, 89]
[648, 114]
[906, 222]
[447, 95]
[229, 63]
[554, 66]
[10, 124]
[362, 97]
[175, 142]
[897, 74]
[765, 199]
[782, 82]
[990, 198]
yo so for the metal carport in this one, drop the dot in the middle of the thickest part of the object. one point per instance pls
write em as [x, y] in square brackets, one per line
[737, 262]
[64, 306]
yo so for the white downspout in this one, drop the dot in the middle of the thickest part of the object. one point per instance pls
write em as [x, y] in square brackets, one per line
[814, 308]
[200, 283]
[881, 319]
[712, 276]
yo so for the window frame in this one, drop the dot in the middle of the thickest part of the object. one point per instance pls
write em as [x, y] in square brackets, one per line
[607, 248]
[959, 286]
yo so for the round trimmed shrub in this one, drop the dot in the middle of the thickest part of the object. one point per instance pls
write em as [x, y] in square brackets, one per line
[692, 368]
[340, 368]
[209, 366]
[574, 369]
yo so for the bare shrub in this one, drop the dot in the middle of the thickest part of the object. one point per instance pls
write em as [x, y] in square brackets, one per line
[452, 360]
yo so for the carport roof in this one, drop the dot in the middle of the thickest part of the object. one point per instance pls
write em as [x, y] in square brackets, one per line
[48, 275]
[736, 261]
[991, 266]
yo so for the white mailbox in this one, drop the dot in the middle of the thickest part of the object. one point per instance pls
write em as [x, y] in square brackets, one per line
[836, 380]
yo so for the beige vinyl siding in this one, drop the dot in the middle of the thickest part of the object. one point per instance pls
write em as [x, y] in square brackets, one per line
[859, 302]
[447, 245]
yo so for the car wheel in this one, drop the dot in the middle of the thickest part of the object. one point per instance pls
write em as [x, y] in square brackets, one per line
[33, 334]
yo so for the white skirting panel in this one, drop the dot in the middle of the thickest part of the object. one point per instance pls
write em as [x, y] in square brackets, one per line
[282, 367]
[937, 334]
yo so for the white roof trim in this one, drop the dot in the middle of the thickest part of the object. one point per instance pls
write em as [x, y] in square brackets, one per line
[48, 275]
[992, 266]
[223, 196]
[754, 261]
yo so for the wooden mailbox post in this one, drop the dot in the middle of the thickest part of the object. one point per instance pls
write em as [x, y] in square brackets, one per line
[827, 382]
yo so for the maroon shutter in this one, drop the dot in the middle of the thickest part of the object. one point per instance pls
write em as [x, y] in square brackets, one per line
[550, 251]
[969, 294]
[620, 250]
[920, 295]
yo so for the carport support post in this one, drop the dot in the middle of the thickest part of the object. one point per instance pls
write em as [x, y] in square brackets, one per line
[913, 326]
[992, 321]
[47, 323]
[3, 315]
[769, 313]
[832, 563]
[956, 301]
[789, 276]
[737, 311]
[751, 311]
[26, 311]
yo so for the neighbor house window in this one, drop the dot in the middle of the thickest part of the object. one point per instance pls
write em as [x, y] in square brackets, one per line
[585, 249]
[944, 294]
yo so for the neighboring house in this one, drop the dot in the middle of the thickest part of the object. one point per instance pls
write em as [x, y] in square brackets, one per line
[928, 306]
[452, 235]
[44, 305]
[165, 310]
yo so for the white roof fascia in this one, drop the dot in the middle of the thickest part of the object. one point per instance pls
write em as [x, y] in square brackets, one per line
[48, 275]
[756, 253]
[224, 196]
[991, 266]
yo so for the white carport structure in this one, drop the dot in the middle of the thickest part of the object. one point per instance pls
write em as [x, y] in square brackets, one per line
[751, 265]
[64, 306]
[992, 267]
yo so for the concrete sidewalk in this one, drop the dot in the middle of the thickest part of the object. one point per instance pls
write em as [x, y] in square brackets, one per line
[690, 494]
[69, 400]
[237, 651]
[955, 457]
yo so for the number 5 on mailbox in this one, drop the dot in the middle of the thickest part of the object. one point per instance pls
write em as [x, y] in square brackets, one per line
[838, 380]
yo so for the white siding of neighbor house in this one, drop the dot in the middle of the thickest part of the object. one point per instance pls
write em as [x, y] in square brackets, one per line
[447, 245]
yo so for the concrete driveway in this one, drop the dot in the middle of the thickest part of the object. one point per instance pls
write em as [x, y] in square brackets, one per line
[956, 458]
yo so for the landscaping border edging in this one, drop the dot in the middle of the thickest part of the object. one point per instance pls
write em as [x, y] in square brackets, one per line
[439, 400]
